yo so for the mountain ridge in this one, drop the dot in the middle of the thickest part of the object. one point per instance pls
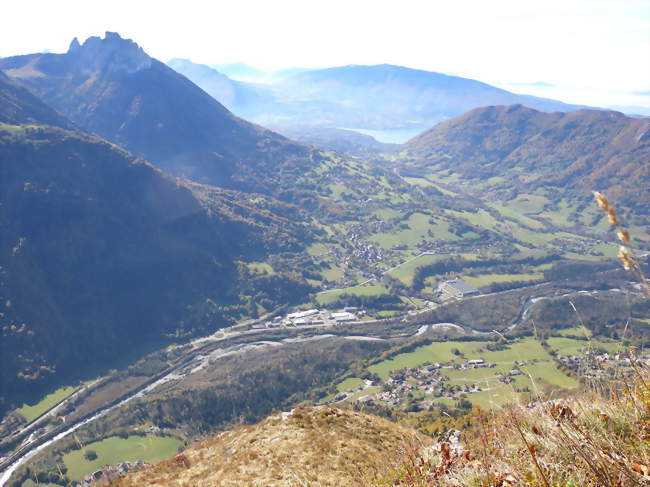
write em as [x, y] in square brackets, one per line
[112, 88]
[582, 150]
[382, 96]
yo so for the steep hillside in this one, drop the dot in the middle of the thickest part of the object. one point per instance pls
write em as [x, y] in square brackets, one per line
[19, 106]
[528, 150]
[317, 446]
[112, 88]
[102, 255]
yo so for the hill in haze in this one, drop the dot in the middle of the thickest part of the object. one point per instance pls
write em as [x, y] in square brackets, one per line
[239, 97]
[112, 88]
[376, 97]
[19, 106]
[528, 150]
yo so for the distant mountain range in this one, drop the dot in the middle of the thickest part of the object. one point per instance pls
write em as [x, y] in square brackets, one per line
[360, 97]
[244, 72]
[526, 149]
[112, 88]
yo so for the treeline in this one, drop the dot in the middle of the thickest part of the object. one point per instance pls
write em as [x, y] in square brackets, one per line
[248, 387]
[241, 389]
[380, 302]
[454, 264]
[610, 316]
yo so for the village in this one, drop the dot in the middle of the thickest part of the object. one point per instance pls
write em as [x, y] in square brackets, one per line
[598, 364]
[427, 381]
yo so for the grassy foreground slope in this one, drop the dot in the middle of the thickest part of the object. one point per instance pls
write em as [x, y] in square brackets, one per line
[590, 439]
[316, 446]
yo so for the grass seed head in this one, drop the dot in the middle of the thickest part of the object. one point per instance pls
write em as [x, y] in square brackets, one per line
[601, 200]
[611, 217]
[623, 235]
[625, 258]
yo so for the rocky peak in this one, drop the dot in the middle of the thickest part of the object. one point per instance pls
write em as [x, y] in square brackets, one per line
[112, 54]
[74, 45]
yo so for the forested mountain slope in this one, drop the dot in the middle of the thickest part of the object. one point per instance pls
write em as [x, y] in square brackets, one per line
[102, 254]
[527, 150]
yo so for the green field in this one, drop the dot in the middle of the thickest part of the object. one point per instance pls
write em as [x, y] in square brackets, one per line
[349, 384]
[328, 297]
[511, 211]
[578, 331]
[339, 190]
[481, 218]
[114, 450]
[387, 214]
[487, 279]
[406, 271]
[365, 392]
[424, 183]
[571, 346]
[547, 372]
[435, 352]
[530, 203]
[540, 371]
[334, 273]
[317, 249]
[443, 190]
[419, 226]
[48, 402]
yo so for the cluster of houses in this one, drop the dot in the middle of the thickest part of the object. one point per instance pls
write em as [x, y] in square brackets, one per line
[595, 364]
[577, 245]
[429, 380]
[313, 317]
[109, 474]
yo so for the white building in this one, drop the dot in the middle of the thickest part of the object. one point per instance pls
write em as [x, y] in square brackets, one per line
[343, 316]
[302, 314]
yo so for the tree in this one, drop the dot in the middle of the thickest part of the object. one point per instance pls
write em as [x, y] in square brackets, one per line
[90, 455]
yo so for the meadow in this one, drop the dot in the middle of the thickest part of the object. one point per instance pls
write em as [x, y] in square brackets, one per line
[32, 412]
[328, 297]
[539, 370]
[113, 450]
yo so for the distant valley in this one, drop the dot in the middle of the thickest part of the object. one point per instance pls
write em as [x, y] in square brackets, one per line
[208, 271]
[386, 98]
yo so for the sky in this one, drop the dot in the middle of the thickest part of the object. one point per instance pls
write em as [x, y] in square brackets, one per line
[594, 52]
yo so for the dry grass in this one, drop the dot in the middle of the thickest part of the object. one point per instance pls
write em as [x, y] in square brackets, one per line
[320, 446]
[627, 253]
[597, 438]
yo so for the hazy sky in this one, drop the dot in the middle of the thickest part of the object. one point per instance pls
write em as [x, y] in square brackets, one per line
[592, 51]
